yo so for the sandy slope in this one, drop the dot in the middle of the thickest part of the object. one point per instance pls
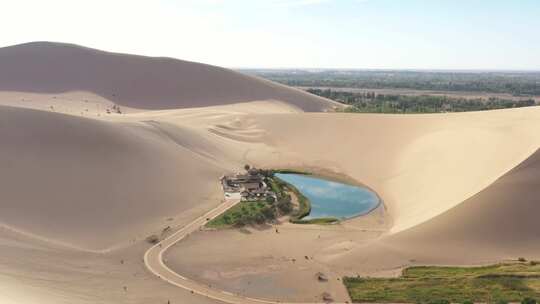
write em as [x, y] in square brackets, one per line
[137, 81]
[421, 165]
[500, 222]
[95, 184]
[83, 185]
[128, 173]
[35, 272]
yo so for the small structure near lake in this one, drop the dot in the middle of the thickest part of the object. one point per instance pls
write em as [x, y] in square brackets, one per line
[251, 185]
[263, 198]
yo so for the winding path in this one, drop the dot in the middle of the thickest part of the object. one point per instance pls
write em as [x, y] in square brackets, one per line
[153, 259]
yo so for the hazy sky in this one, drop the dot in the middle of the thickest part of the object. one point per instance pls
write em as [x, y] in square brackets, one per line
[425, 34]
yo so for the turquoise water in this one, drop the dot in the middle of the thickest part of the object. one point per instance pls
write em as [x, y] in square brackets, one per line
[332, 199]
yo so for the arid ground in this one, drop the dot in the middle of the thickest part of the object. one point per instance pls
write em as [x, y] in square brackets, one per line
[101, 150]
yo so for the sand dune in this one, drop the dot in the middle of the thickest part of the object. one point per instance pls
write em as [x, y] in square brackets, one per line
[500, 222]
[425, 168]
[131, 172]
[92, 182]
[422, 165]
[95, 184]
[137, 81]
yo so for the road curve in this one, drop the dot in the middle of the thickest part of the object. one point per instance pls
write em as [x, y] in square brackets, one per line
[153, 259]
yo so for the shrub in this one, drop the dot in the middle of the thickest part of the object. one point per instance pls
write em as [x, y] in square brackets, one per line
[268, 213]
[522, 259]
[528, 301]
[439, 302]
[242, 221]
[501, 302]
[285, 207]
[284, 204]
[153, 239]
[260, 219]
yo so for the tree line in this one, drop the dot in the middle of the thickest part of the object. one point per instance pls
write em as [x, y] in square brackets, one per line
[515, 83]
[370, 102]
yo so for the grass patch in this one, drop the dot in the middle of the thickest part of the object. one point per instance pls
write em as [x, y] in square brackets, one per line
[502, 282]
[243, 213]
[290, 171]
[318, 221]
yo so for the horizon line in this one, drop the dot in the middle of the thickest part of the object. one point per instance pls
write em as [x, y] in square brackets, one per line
[473, 70]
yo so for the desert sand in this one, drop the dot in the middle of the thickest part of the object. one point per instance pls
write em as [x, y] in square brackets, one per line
[136, 81]
[82, 188]
[402, 158]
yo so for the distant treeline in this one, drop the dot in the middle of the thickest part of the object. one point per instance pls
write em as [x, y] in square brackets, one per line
[515, 83]
[370, 102]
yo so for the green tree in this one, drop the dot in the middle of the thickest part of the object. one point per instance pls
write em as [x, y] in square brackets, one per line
[260, 219]
[528, 301]
[442, 301]
[284, 204]
[268, 212]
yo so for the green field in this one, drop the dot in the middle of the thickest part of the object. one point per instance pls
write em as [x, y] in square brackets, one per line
[243, 213]
[507, 282]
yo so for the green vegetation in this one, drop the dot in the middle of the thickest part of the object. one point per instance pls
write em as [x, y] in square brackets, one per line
[290, 171]
[528, 301]
[268, 209]
[318, 221]
[258, 211]
[369, 102]
[304, 204]
[280, 187]
[244, 213]
[515, 83]
[497, 283]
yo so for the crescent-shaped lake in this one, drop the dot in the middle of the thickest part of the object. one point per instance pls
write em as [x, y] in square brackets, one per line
[331, 199]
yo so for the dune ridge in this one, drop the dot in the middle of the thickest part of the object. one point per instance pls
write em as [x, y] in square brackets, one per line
[138, 81]
[93, 181]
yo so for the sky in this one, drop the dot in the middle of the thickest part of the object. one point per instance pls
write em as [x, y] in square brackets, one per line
[354, 34]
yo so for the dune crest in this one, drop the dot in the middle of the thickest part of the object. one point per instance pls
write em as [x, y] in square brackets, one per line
[138, 81]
